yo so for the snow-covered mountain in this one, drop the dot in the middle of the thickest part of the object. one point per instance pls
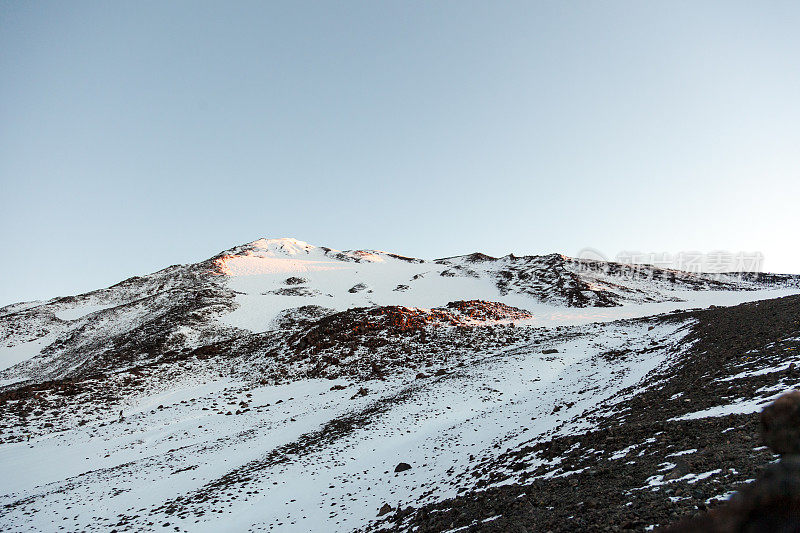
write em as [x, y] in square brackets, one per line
[284, 386]
[251, 289]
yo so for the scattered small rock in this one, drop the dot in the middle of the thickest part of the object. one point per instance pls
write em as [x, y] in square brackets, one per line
[385, 509]
[362, 391]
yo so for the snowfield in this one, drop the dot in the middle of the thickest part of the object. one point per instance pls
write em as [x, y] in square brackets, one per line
[238, 472]
[259, 281]
[250, 392]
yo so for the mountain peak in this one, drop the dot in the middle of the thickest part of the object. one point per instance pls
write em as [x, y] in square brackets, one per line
[282, 246]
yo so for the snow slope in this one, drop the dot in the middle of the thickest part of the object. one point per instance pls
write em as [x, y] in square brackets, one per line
[277, 385]
[179, 450]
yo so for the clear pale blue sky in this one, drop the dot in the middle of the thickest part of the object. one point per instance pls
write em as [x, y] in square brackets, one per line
[135, 135]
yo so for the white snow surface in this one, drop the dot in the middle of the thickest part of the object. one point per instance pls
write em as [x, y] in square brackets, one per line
[85, 478]
[75, 313]
[283, 464]
[740, 407]
[256, 275]
[11, 355]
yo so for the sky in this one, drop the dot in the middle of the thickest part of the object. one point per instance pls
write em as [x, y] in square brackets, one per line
[136, 135]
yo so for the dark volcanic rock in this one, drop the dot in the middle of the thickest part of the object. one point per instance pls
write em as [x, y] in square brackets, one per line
[386, 508]
[772, 503]
[358, 287]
